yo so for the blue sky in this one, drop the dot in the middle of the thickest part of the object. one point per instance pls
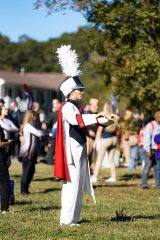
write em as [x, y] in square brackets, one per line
[18, 17]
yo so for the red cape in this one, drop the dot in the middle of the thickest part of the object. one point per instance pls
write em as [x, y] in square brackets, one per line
[60, 168]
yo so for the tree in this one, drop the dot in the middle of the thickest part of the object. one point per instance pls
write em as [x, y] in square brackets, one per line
[40, 56]
[24, 38]
[55, 5]
[126, 41]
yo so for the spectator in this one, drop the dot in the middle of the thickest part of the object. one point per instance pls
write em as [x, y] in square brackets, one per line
[27, 150]
[9, 128]
[4, 174]
[51, 124]
[91, 134]
[140, 145]
[130, 128]
[125, 136]
[36, 109]
[37, 123]
[16, 116]
[151, 130]
[54, 114]
[108, 142]
[134, 129]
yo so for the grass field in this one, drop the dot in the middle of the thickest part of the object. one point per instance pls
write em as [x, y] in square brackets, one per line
[123, 210]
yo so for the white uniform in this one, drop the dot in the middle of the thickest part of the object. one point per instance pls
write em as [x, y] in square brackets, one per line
[71, 163]
[77, 161]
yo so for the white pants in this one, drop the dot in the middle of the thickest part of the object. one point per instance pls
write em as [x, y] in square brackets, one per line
[72, 192]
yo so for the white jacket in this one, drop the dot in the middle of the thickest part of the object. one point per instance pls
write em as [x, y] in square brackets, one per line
[28, 145]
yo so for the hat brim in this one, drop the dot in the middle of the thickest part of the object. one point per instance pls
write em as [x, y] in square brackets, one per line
[78, 87]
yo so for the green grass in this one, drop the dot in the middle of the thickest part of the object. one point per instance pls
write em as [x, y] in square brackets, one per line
[123, 209]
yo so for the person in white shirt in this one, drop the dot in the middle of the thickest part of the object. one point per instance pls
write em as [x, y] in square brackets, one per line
[27, 150]
[7, 125]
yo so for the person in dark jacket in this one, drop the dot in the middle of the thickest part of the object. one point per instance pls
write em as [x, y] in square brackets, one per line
[50, 125]
[4, 174]
[16, 116]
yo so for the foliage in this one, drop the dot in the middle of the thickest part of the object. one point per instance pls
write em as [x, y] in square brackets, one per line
[40, 56]
[123, 210]
[54, 5]
[126, 36]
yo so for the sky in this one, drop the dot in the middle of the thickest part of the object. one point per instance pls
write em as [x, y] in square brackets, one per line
[18, 17]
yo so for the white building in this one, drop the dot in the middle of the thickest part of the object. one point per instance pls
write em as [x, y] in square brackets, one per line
[44, 87]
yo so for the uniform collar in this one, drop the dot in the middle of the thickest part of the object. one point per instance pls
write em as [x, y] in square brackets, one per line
[76, 103]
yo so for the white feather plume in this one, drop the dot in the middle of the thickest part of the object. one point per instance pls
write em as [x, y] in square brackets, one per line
[68, 61]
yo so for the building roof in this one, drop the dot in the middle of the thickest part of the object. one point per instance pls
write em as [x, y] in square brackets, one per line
[37, 80]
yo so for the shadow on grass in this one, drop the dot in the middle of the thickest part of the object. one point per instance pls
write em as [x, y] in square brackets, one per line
[132, 176]
[84, 221]
[125, 218]
[114, 185]
[42, 208]
[44, 179]
[49, 190]
[23, 202]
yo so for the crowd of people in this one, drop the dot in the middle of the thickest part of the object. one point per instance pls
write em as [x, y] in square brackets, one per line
[24, 136]
[30, 136]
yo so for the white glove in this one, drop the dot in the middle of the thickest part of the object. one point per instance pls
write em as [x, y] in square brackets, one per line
[104, 121]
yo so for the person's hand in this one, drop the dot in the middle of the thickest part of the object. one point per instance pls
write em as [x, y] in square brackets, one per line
[6, 144]
[10, 141]
[149, 154]
[44, 125]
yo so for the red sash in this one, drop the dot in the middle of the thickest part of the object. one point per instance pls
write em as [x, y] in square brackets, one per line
[60, 168]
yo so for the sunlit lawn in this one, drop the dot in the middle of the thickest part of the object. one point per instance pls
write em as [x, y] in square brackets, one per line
[123, 210]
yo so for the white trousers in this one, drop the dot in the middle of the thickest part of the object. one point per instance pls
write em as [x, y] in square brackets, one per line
[72, 192]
